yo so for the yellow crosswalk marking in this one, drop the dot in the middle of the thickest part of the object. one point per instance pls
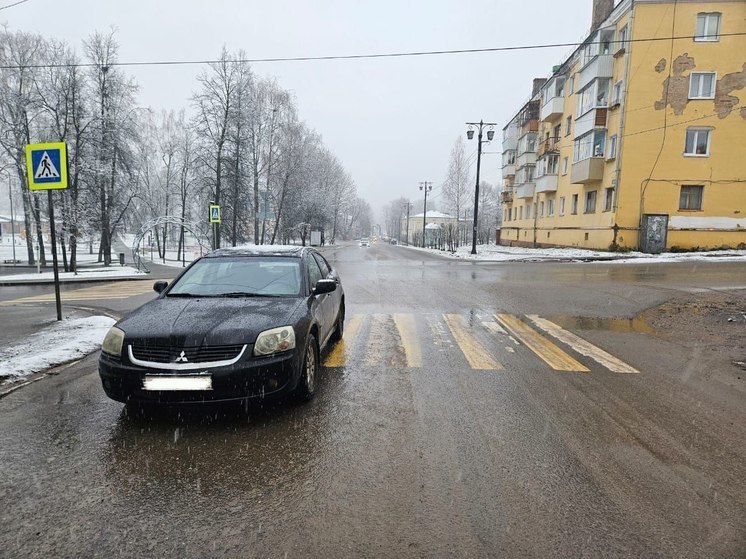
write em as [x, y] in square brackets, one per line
[582, 346]
[408, 335]
[546, 350]
[340, 353]
[474, 352]
[117, 290]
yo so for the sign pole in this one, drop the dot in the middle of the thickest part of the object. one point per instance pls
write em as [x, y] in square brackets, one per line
[53, 235]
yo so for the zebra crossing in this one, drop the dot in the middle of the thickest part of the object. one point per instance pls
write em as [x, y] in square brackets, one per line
[484, 342]
[114, 290]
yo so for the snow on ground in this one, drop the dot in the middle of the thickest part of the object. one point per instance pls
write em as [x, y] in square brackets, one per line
[112, 272]
[58, 343]
[83, 256]
[498, 253]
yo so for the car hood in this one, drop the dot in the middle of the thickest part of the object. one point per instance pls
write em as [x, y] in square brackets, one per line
[209, 321]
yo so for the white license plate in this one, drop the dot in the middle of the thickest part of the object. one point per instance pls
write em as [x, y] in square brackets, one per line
[164, 383]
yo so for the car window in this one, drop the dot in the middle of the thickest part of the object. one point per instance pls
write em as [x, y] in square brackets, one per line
[240, 275]
[314, 273]
[323, 265]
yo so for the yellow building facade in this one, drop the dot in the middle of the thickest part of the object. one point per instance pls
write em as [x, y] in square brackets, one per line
[638, 139]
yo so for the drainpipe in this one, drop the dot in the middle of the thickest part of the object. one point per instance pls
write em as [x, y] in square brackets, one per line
[620, 137]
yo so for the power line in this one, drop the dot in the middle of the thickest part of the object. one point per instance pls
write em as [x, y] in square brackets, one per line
[347, 56]
[682, 122]
[14, 4]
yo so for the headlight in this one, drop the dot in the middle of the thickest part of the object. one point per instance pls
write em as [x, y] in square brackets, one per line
[275, 341]
[113, 342]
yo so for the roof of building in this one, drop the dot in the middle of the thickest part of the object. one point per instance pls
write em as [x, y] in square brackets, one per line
[433, 214]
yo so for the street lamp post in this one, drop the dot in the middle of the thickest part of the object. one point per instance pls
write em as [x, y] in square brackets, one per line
[470, 134]
[406, 238]
[426, 186]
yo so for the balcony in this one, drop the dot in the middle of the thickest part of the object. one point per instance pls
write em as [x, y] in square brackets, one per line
[552, 109]
[546, 183]
[595, 118]
[506, 196]
[549, 145]
[525, 190]
[600, 66]
[508, 171]
[587, 170]
[527, 158]
[510, 143]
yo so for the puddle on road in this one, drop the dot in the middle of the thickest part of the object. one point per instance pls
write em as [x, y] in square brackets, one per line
[610, 324]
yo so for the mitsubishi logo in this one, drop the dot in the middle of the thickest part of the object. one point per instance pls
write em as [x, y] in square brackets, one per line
[182, 358]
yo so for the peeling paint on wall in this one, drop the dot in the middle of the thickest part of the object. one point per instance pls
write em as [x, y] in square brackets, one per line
[724, 101]
[676, 87]
[661, 66]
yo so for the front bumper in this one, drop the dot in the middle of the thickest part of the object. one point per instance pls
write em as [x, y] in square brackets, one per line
[251, 377]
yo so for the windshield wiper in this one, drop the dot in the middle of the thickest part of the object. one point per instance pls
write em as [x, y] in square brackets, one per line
[238, 294]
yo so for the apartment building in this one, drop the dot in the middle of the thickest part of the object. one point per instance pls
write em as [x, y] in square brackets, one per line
[637, 139]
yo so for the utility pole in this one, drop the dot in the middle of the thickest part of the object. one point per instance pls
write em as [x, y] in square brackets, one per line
[470, 134]
[409, 205]
[426, 186]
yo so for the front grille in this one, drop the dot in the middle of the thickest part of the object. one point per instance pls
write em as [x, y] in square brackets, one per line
[156, 354]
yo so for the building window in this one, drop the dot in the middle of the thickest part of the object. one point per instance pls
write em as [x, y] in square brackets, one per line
[697, 142]
[622, 39]
[608, 198]
[691, 198]
[574, 210]
[611, 150]
[550, 207]
[590, 202]
[509, 157]
[568, 125]
[562, 205]
[702, 85]
[571, 89]
[520, 212]
[708, 27]
[618, 90]
[589, 145]
[565, 161]
[541, 209]
[557, 132]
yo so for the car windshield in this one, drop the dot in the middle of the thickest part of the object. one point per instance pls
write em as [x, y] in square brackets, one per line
[240, 276]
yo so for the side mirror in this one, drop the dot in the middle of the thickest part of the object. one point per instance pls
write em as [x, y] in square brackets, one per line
[159, 286]
[324, 286]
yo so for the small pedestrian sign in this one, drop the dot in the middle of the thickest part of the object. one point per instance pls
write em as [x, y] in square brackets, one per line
[46, 165]
[214, 213]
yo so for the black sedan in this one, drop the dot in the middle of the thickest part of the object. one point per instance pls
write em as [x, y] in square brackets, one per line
[237, 324]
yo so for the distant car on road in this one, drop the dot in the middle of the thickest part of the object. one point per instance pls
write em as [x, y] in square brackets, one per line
[364, 242]
[393, 241]
[237, 324]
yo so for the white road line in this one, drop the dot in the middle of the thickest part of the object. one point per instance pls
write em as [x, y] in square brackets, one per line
[582, 346]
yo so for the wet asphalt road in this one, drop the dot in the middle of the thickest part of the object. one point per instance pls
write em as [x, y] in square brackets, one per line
[414, 446]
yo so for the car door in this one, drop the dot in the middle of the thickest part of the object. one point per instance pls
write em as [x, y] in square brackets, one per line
[320, 305]
[335, 297]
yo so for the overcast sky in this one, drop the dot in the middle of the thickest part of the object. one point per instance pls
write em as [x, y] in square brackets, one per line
[392, 122]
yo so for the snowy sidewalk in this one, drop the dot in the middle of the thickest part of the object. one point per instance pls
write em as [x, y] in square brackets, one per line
[86, 274]
[499, 253]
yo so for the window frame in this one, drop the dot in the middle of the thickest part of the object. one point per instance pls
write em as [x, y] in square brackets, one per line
[608, 199]
[574, 205]
[706, 38]
[568, 125]
[565, 164]
[690, 188]
[590, 195]
[697, 130]
[611, 147]
[562, 206]
[550, 207]
[712, 90]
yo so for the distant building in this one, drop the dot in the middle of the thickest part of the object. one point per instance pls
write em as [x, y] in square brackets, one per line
[433, 217]
[633, 143]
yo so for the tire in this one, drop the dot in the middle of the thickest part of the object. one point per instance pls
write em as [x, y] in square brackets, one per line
[340, 325]
[310, 371]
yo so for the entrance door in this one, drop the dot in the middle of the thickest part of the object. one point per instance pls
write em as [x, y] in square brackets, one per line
[654, 230]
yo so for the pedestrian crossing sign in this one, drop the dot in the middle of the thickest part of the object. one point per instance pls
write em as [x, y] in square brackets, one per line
[214, 213]
[46, 166]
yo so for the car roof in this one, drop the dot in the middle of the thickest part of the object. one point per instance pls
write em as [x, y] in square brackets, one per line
[259, 250]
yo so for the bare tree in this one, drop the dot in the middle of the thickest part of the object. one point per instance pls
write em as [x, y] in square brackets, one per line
[457, 186]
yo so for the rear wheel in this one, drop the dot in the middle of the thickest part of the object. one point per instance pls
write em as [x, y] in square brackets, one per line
[340, 325]
[309, 372]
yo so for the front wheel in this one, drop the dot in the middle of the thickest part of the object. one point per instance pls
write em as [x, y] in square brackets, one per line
[340, 325]
[309, 372]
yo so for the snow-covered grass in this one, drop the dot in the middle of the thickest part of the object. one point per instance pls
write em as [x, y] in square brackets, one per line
[59, 343]
[113, 272]
[498, 253]
[83, 256]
